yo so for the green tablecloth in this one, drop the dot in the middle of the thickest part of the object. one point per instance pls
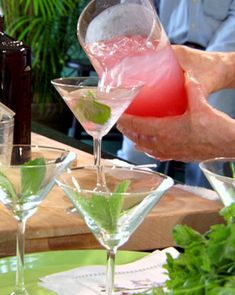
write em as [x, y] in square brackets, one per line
[45, 263]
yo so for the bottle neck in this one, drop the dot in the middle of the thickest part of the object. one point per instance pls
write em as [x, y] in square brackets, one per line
[1, 23]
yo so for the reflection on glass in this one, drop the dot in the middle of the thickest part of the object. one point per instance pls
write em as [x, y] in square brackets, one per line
[220, 172]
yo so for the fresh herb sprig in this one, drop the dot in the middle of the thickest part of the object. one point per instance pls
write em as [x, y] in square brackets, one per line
[105, 211]
[90, 109]
[206, 265]
[7, 187]
[31, 181]
[233, 169]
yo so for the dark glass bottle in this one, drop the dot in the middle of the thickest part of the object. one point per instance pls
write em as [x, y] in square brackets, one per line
[16, 84]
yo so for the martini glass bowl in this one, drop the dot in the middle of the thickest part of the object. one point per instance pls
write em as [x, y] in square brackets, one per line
[113, 215]
[220, 173]
[96, 106]
[27, 174]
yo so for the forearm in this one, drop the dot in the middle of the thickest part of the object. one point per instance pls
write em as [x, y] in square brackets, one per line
[218, 137]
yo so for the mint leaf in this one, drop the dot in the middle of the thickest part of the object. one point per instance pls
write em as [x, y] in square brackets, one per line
[228, 213]
[116, 200]
[122, 187]
[31, 181]
[228, 169]
[185, 235]
[207, 262]
[105, 211]
[100, 209]
[233, 170]
[32, 178]
[7, 187]
[90, 109]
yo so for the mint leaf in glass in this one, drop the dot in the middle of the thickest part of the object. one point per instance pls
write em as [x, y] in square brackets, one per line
[233, 170]
[90, 109]
[228, 169]
[32, 178]
[104, 210]
[7, 187]
[116, 201]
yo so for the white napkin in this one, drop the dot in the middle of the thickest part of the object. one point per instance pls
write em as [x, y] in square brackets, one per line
[130, 278]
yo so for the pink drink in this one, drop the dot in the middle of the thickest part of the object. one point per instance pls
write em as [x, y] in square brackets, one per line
[133, 58]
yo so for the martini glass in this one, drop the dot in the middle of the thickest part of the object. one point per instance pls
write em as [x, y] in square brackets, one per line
[113, 215]
[27, 174]
[220, 172]
[125, 40]
[97, 106]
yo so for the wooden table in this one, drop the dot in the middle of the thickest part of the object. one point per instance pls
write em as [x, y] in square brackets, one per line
[52, 228]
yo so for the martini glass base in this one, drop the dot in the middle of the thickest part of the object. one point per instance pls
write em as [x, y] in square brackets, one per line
[20, 292]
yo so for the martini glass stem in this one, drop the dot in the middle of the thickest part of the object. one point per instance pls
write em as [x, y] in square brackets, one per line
[20, 244]
[97, 151]
[110, 271]
[100, 181]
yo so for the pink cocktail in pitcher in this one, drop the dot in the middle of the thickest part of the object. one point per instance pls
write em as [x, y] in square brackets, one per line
[125, 41]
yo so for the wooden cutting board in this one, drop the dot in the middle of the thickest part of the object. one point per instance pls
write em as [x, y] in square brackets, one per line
[53, 228]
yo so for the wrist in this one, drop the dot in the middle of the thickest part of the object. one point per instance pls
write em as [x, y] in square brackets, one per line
[227, 70]
[226, 136]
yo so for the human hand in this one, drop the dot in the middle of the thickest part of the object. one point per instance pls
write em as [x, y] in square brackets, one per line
[210, 69]
[202, 132]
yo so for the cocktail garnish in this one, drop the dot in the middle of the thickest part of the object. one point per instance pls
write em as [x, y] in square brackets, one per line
[105, 211]
[31, 179]
[233, 170]
[92, 110]
[7, 187]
